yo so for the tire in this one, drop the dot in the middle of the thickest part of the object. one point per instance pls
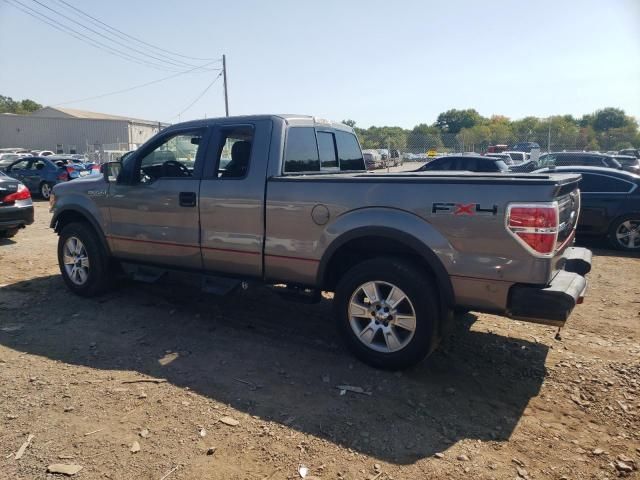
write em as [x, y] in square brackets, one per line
[45, 190]
[9, 233]
[90, 257]
[624, 233]
[368, 335]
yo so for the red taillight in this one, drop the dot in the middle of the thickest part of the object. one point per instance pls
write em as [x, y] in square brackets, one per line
[535, 226]
[21, 194]
[63, 176]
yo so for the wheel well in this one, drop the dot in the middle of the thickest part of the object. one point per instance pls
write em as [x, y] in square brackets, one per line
[372, 246]
[70, 216]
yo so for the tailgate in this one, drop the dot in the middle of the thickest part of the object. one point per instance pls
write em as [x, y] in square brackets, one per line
[568, 199]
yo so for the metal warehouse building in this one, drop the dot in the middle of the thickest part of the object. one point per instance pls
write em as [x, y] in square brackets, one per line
[66, 130]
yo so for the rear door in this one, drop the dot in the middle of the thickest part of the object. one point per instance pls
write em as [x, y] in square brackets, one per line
[232, 195]
[155, 217]
[602, 197]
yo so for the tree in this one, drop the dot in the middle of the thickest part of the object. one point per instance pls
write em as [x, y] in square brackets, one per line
[452, 121]
[351, 123]
[9, 105]
[423, 138]
[608, 118]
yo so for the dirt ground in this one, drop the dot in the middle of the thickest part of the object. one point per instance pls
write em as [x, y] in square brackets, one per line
[501, 399]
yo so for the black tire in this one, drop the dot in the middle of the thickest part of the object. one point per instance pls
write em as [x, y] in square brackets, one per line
[45, 190]
[9, 233]
[618, 224]
[422, 295]
[100, 275]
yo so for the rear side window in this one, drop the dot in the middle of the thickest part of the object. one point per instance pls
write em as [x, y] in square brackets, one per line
[327, 151]
[592, 183]
[301, 151]
[349, 151]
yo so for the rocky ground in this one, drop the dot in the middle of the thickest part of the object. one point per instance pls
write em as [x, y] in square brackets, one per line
[156, 382]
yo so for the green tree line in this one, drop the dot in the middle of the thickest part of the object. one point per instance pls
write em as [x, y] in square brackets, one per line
[9, 105]
[606, 129]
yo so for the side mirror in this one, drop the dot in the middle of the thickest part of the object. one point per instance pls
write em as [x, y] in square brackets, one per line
[111, 171]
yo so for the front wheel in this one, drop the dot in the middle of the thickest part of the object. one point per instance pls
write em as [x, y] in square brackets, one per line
[624, 233]
[45, 190]
[387, 311]
[83, 261]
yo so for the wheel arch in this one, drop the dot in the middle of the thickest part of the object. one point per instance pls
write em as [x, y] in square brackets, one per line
[366, 242]
[78, 214]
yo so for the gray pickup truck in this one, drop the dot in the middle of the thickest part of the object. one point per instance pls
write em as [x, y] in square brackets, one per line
[286, 200]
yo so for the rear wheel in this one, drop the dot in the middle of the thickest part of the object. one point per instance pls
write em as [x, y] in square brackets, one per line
[624, 233]
[83, 261]
[45, 190]
[387, 311]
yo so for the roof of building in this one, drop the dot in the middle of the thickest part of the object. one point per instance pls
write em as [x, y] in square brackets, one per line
[59, 112]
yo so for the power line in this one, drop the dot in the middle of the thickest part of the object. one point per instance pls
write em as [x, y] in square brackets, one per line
[135, 87]
[82, 37]
[198, 97]
[172, 62]
[127, 36]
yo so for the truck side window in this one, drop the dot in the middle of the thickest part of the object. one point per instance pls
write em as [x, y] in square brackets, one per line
[301, 151]
[349, 151]
[234, 151]
[327, 150]
[174, 158]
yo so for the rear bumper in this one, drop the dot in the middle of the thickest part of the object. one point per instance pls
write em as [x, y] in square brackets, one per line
[15, 217]
[552, 305]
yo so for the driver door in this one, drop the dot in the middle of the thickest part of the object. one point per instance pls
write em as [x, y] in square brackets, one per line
[154, 216]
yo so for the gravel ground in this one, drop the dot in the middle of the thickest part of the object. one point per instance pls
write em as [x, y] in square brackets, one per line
[157, 382]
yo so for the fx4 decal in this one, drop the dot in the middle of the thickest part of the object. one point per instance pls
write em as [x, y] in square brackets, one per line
[448, 208]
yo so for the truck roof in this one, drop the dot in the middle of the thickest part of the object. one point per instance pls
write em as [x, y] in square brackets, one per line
[289, 119]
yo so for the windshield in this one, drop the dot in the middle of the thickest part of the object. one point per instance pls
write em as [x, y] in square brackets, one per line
[627, 162]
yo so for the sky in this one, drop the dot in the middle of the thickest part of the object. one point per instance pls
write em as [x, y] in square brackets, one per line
[378, 63]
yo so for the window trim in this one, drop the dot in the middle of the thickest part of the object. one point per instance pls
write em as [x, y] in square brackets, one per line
[633, 185]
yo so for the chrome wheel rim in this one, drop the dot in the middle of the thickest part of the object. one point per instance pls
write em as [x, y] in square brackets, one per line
[382, 317]
[628, 234]
[76, 261]
[45, 190]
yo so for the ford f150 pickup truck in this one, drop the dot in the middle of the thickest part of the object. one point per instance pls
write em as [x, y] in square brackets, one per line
[285, 199]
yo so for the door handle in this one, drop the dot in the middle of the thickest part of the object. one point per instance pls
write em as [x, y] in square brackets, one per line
[187, 199]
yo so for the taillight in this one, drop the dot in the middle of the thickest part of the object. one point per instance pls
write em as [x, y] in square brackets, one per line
[21, 194]
[535, 226]
[63, 176]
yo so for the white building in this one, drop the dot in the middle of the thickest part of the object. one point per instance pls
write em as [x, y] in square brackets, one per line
[66, 130]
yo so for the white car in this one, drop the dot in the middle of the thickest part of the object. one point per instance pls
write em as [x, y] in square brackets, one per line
[504, 156]
[517, 157]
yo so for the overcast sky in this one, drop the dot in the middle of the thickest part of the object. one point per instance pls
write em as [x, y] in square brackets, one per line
[377, 62]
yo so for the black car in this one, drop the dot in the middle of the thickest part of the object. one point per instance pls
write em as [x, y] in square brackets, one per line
[629, 163]
[469, 163]
[610, 205]
[634, 152]
[16, 206]
[557, 159]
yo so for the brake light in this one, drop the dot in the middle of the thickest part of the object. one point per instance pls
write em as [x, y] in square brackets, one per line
[535, 226]
[21, 194]
[63, 176]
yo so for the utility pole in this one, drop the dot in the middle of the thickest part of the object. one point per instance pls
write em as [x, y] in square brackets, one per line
[549, 138]
[224, 78]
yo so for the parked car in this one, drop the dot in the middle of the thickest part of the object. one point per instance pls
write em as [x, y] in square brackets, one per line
[635, 152]
[7, 159]
[75, 168]
[629, 163]
[40, 174]
[373, 159]
[524, 146]
[469, 163]
[504, 156]
[556, 159]
[610, 205]
[295, 207]
[41, 153]
[16, 206]
[517, 156]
